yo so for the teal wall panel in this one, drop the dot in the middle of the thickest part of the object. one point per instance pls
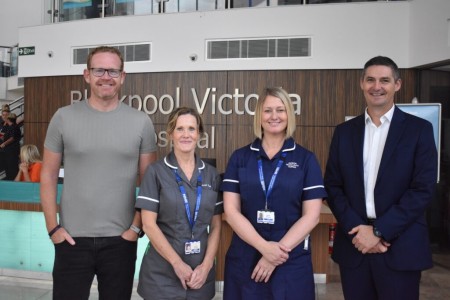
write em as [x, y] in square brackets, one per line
[22, 191]
[24, 242]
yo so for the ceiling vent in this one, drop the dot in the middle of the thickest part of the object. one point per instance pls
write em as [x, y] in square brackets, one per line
[259, 48]
[130, 52]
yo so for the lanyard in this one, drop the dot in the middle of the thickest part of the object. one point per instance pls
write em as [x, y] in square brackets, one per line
[186, 202]
[274, 176]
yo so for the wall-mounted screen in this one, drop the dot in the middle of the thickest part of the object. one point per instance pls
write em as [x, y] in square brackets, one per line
[432, 113]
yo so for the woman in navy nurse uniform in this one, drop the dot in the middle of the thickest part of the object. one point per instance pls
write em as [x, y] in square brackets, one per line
[273, 190]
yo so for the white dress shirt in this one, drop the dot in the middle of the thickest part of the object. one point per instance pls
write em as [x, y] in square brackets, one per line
[374, 141]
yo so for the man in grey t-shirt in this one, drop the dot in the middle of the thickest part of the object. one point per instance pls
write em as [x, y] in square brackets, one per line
[105, 145]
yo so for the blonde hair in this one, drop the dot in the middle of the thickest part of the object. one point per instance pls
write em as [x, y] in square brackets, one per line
[29, 154]
[12, 117]
[281, 94]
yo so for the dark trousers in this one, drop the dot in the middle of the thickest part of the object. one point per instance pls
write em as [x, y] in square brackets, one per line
[374, 280]
[112, 259]
[9, 161]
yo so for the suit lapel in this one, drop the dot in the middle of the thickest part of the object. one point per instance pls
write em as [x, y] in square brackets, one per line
[395, 132]
[358, 144]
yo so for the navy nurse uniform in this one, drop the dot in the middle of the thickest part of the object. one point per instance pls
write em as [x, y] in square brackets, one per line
[299, 179]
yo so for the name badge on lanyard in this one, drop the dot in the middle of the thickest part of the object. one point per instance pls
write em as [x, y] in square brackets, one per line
[267, 216]
[191, 246]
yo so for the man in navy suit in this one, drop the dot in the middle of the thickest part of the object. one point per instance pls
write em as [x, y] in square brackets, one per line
[380, 178]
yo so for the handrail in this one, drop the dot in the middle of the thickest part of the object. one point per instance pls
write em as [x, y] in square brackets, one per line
[19, 103]
[20, 99]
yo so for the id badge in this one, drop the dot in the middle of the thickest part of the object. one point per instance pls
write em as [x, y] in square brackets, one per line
[265, 217]
[192, 247]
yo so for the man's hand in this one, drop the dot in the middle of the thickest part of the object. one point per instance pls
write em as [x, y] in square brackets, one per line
[364, 239]
[62, 235]
[381, 247]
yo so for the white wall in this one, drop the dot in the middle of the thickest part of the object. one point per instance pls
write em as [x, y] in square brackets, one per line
[18, 13]
[344, 36]
[430, 31]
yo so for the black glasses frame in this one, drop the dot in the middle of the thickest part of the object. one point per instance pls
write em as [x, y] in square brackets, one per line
[99, 72]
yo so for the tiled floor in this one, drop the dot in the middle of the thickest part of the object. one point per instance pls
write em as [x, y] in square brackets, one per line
[435, 284]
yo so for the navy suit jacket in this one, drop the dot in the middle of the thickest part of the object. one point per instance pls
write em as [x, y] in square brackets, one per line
[404, 188]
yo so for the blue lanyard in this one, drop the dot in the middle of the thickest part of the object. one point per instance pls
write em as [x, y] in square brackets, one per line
[186, 202]
[274, 176]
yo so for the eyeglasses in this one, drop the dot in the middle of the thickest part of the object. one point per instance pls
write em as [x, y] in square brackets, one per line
[99, 72]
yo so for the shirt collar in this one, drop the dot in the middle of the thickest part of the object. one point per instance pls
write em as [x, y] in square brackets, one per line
[171, 161]
[386, 117]
[289, 145]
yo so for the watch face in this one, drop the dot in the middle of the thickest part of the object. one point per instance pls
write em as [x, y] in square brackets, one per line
[376, 232]
[141, 233]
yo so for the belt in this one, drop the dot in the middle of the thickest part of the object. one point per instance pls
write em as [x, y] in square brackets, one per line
[370, 221]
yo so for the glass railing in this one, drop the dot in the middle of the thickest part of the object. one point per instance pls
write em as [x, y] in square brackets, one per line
[8, 61]
[68, 10]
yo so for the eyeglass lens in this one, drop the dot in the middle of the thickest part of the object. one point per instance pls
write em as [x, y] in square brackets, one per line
[99, 72]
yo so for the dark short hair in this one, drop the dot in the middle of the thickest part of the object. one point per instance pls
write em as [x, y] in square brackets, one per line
[382, 61]
[183, 110]
[105, 49]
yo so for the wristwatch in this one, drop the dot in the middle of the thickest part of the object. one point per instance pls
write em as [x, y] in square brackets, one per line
[377, 233]
[138, 231]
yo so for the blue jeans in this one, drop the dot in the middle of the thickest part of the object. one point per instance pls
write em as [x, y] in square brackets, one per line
[112, 259]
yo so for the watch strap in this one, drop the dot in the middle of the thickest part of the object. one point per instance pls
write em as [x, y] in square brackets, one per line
[377, 233]
[138, 231]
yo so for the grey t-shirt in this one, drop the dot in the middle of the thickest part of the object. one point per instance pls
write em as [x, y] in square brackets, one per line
[101, 158]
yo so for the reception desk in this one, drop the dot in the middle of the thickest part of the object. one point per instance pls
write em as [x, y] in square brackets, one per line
[319, 242]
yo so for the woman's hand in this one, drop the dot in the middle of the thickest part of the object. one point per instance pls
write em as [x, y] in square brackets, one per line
[183, 272]
[199, 276]
[275, 253]
[23, 166]
[263, 270]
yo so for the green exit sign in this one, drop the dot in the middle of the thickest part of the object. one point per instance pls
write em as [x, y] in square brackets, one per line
[27, 50]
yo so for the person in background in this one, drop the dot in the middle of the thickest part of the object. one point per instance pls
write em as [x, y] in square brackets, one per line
[10, 146]
[30, 164]
[3, 117]
[181, 215]
[5, 108]
[273, 191]
[380, 178]
[98, 228]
